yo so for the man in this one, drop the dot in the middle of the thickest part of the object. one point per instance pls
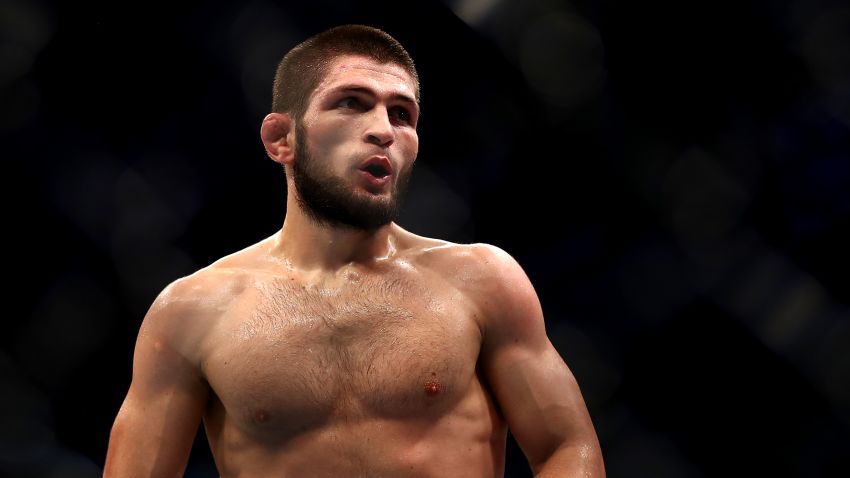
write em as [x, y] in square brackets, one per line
[344, 345]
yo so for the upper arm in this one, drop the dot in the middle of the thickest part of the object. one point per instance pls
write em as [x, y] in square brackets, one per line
[156, 425]
[533, 386]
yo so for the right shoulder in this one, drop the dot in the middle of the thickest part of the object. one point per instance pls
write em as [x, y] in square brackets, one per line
[208, 292]
[187, 309]
[205, 290]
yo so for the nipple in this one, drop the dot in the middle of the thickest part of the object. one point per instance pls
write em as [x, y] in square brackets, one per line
[432, 386]
[261, 416]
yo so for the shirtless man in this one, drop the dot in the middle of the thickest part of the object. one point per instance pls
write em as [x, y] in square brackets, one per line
[344, 345]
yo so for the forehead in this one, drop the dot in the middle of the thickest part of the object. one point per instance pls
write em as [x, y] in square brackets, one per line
[384, 78]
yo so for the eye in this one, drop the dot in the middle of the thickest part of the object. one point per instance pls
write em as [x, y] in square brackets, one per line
[349, 102]
[401, 114]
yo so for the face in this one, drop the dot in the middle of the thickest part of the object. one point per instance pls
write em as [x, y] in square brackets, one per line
[356, 144]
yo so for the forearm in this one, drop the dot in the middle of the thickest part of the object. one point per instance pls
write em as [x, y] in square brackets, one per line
[584, 461]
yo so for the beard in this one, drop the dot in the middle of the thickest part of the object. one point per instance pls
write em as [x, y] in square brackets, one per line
[329, 200]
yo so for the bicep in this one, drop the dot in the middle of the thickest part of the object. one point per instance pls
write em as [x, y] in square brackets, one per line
[540, 399]
[153, 438]
[534, 388]
[156, 425]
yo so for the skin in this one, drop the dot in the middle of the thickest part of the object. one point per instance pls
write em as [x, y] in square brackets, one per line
[325, 350]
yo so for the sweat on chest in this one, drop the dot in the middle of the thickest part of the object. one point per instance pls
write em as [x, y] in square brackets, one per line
[314, 354]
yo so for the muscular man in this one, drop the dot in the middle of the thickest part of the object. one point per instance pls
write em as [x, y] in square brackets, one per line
[344, 345]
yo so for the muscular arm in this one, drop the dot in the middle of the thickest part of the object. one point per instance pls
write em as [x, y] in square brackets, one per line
[533, 386]
[155, 427]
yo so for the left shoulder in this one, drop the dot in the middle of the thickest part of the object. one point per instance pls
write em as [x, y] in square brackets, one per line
[499, 266]
[477, 264]
[489, 277]
[488, 270]
[504, 286]
[510, 313]
[487, 274]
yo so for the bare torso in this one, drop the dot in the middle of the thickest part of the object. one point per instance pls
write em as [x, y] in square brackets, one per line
[328, 350]
[371, 372]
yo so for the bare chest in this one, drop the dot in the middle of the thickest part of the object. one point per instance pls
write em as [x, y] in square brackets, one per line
[290, 356]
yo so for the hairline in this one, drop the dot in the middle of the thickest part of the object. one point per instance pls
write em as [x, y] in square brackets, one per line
[325, 71]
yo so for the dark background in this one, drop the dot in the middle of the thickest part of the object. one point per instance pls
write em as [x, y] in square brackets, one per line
[673, 176]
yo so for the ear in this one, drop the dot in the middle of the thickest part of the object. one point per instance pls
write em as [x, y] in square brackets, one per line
[278, 135]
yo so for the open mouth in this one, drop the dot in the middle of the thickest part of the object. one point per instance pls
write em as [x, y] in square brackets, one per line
[378, 167]
[377, 170]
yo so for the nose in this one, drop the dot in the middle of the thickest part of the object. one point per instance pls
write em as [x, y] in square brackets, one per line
[379, 130]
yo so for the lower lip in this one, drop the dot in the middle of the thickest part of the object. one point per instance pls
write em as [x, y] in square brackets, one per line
[375, 182]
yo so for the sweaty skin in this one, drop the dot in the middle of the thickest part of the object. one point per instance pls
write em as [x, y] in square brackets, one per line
[330, 352]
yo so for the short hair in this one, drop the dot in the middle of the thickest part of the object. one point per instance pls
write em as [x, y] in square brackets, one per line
[303, 68]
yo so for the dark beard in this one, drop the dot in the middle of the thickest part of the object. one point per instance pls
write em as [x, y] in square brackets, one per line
[329, 201]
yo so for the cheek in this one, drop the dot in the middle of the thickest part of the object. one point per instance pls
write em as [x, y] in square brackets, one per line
[328, 139]
[327, 134]
[410, 146]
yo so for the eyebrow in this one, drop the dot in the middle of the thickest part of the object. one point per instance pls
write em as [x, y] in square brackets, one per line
[362, 89]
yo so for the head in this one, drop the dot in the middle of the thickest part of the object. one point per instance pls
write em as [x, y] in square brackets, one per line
[345, 105]
[304, 67]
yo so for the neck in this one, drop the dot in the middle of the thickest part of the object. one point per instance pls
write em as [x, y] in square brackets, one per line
[311, 246]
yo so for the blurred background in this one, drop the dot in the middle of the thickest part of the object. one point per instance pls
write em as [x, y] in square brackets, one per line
[673, 176]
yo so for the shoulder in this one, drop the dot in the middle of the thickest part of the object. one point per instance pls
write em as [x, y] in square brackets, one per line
[207, 288]
[508, 309]
[186, 310]
[481, 267]
[488, 275]
[504, 302]
[212, 287]
[498, 281]
[510, 313]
